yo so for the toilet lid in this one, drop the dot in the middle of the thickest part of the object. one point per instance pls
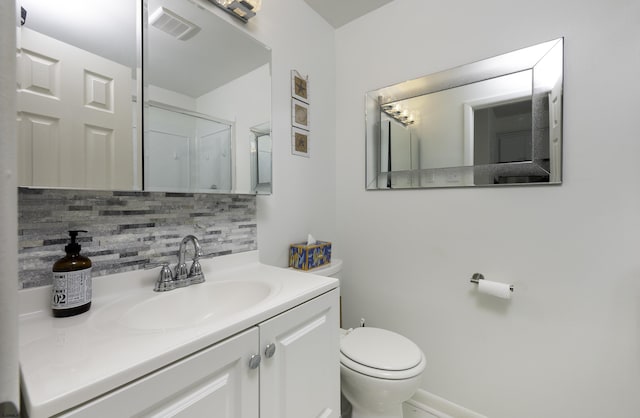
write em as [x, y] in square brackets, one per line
[380, 349]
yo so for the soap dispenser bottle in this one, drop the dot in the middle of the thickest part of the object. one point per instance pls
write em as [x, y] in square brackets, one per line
[71, 293]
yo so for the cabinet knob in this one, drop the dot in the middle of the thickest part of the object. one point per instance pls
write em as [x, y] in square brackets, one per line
[254, 361]
[270, 350]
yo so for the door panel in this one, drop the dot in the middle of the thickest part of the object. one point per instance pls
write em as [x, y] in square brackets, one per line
[80, 94]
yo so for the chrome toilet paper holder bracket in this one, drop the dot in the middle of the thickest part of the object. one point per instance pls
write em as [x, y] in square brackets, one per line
[479, 276]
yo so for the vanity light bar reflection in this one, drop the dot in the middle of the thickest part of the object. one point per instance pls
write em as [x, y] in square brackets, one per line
[396, 112]
[241, 9]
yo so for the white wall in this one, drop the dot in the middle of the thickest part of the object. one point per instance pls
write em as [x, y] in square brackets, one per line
[247, 102]
[568, 343]
[303, 199]
[172, 98]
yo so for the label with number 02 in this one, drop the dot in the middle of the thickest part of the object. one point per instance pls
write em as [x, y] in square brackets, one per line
[71, 289]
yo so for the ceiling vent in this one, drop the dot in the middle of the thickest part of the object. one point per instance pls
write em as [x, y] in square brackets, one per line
[173, 24]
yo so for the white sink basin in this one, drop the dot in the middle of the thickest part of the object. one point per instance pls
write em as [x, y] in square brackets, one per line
[184, 307]
[187, 307]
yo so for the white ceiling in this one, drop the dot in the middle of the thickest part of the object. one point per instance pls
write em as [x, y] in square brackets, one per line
[216, 55]
[106, 28]
[341, 12]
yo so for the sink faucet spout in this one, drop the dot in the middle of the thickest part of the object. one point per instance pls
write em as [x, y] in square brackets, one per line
[183, 248]
[184, 276]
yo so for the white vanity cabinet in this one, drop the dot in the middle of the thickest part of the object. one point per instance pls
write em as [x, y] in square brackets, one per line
[298, 375]
[300, 371]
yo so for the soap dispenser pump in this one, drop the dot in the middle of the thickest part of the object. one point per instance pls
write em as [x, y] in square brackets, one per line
[71, 293]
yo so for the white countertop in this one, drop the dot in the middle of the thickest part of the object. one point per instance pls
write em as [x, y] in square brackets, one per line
[67, 361]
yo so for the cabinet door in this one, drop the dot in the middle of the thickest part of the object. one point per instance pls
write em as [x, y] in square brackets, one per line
[216, 382]
[302, 377]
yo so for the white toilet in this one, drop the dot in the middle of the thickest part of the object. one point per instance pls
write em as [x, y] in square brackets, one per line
[379, 369]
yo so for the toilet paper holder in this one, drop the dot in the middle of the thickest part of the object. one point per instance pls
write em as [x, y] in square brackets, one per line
[478, 276]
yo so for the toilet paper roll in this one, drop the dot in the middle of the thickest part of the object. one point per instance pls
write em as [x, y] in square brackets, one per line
[500, 290]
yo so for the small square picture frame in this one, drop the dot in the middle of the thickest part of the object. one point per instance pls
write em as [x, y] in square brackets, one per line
[299, 114]
[299, 86]
[300, 144]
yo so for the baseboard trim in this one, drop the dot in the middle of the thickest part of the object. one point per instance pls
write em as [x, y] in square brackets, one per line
[440, 407]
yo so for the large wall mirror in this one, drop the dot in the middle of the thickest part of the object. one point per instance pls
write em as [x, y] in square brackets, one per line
[78, 81]
[208, 86]
[82, 120]
[492, 122]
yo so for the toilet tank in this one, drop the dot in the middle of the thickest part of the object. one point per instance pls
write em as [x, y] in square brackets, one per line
[333, 269]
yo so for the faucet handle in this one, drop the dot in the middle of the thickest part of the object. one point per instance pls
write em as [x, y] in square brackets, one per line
[195, 272]
[165, 280]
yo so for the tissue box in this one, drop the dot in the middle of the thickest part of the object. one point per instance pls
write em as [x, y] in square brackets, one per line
[307, 257]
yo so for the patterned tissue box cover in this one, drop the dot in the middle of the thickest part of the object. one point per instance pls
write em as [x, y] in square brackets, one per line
[307, 257]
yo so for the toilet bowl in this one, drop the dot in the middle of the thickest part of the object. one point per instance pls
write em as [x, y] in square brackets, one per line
[379, 370]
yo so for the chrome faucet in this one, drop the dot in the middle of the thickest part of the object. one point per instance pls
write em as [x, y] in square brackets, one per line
[182, 276]
[194, 275]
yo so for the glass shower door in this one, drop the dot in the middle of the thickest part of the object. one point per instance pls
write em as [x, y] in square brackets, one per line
[184, 151]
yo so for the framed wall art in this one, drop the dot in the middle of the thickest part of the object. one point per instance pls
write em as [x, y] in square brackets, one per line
[300, 142]
[299, 114]
[300, 125]
[299, 86]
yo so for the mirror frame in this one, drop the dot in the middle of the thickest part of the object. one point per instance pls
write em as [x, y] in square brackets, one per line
[530, 58]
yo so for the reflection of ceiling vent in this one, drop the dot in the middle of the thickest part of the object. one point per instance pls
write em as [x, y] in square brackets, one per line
[173, 24]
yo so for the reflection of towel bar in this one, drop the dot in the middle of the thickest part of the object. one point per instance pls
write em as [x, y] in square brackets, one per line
[478, 276]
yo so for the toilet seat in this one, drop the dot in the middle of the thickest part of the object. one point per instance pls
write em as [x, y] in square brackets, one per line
[381, 353]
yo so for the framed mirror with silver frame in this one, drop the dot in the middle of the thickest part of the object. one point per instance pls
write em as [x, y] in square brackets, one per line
[493, 122]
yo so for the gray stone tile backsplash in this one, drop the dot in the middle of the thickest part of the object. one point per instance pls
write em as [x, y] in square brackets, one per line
[127, 230]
